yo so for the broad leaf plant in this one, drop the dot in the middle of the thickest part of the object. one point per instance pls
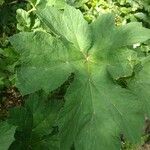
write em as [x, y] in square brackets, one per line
[109, 94]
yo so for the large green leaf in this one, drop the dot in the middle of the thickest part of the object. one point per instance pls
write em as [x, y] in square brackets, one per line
[35, 123]
[97, 109]
[6, 135]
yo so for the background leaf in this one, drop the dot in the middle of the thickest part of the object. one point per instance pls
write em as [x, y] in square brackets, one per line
[7, 135]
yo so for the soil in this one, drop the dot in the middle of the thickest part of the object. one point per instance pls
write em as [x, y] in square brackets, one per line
[11, 98]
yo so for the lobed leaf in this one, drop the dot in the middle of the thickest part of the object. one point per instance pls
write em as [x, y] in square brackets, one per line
[97, 109]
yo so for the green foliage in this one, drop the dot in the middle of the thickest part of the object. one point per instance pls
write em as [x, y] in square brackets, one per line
[24, 21]
[43, 3]
[8, 58]
[8, 18]
[56, 3]
[1, 2]
[77, 3]
[125, 10]
[35, 121]
[7, 135]
[84, 82]
[8, 61]
[97, 108]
